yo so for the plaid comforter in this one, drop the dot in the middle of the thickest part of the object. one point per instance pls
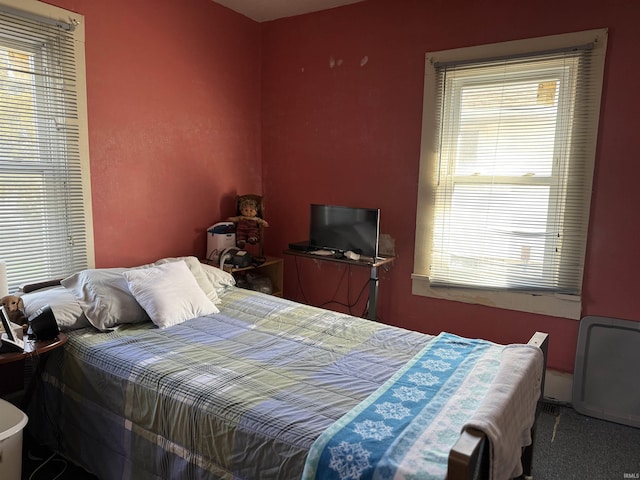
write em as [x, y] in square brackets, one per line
[241, 394]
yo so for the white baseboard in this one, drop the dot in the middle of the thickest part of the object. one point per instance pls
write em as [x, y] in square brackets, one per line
[558, 386]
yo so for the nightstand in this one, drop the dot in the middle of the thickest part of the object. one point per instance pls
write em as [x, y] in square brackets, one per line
[12, 365]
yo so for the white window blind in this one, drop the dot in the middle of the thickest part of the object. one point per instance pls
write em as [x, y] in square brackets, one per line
[42, 202]
[506, 170]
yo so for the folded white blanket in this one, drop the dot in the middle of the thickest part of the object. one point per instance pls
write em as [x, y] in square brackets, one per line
[507, 413]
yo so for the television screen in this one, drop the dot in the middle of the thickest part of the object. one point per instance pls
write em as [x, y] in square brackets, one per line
[345, 228]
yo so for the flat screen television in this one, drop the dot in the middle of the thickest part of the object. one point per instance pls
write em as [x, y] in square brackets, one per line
[344, 229]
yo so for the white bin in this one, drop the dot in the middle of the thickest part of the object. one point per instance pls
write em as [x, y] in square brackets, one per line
[12, 422]
[220, 236]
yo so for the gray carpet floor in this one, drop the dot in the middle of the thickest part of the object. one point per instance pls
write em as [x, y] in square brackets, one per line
[569, 445]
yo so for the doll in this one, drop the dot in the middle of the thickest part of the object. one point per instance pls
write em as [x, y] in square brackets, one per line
[14, 306]
[248, 223]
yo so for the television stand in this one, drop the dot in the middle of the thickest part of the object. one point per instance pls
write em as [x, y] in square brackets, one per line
[372, 304]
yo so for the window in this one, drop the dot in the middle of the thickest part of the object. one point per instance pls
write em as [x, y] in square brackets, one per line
[45, 214]
[506, 172]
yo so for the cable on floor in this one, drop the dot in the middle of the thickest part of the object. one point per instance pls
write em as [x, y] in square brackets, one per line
[50, 459]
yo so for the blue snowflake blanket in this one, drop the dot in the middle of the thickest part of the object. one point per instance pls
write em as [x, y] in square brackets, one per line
[408, 426]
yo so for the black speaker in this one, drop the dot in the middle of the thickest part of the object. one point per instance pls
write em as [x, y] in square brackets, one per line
[43, 324]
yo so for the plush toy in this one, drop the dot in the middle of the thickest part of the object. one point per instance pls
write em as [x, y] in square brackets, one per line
[248, 223]
[14, 306]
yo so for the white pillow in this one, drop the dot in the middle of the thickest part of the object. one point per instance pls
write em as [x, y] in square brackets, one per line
[169, 293]
[65, 307]
[105, 298]
[196, 269]
[218, 277]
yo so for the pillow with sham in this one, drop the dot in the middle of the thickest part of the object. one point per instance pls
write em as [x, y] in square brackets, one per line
[196, 270]
[65, 307]
[218, 277]
[104, 296]
[169, 293]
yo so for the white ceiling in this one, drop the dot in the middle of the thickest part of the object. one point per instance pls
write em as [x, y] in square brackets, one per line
[265, 10]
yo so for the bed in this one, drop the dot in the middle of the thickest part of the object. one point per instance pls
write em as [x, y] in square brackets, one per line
[171, 371]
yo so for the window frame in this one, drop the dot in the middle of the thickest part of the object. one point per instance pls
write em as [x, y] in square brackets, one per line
[548, 303]
[36, 9]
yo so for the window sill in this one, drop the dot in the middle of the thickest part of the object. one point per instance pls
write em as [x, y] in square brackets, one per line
[556, 305]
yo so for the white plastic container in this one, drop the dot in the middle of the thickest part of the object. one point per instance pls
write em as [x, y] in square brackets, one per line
[220, 236]
[12, 422]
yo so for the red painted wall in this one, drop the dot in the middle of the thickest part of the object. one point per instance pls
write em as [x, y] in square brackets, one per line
[174, 122]
[342, 104]
[191, 103]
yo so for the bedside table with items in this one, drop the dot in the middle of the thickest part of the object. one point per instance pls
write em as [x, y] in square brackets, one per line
[266, 277]
[13, 365]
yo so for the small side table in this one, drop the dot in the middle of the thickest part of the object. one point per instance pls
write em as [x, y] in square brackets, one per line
[12, 365]
[271, 268]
